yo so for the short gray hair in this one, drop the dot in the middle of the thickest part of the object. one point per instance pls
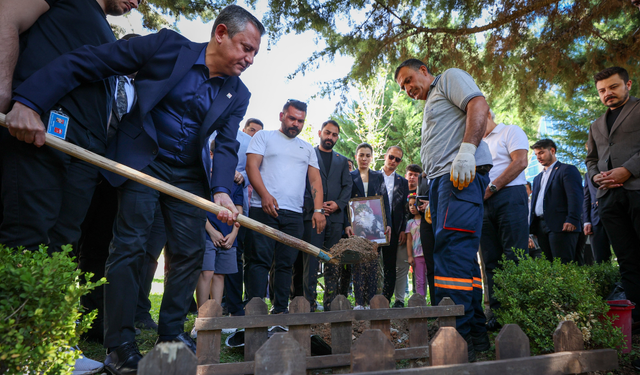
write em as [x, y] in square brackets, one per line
[493, 115]
[235, 18]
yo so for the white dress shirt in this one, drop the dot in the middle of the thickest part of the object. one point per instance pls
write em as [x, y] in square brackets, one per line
[389, 182]
[539, 210]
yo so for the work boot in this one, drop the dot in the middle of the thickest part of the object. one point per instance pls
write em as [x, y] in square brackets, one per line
[471, 351]
[481, 341]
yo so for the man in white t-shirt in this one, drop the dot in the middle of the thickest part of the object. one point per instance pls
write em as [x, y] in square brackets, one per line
[505, 225]
[277, 166]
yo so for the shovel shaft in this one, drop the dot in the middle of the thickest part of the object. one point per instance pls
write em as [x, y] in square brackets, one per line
[154, 183]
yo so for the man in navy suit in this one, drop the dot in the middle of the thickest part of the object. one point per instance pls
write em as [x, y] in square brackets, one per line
[556, 204]
[186, 91]
[398, 190]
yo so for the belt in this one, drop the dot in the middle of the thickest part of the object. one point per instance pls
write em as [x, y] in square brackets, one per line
[483, 169]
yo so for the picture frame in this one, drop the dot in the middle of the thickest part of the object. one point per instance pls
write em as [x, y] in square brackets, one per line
[367, 218]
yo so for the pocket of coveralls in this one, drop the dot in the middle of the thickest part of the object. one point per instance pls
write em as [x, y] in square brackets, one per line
[463, 210]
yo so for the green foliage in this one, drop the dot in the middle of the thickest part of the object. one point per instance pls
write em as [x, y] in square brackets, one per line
[382, 116]
[39, 311]
[537, 295]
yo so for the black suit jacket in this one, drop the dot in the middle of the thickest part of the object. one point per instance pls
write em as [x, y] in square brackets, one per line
[336, 186]
[562, 198]
[398, 203]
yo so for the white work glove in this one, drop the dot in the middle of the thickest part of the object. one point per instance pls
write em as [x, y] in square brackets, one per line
[463, 169]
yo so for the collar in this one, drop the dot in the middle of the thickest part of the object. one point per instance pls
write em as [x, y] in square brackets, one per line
[497, 129]
[433, 84]
[201, 61]
[550, 167]
[386, 175]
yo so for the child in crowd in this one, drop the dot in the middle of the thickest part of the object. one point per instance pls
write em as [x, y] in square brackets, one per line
[415, 257]
[220, 253]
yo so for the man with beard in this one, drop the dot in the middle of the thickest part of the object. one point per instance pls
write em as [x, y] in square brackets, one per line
[613, 163]
[186, 91]
[277, 165]
[46, 193]
[336, 185]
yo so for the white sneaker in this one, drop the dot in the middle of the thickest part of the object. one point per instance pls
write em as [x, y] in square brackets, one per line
[228, 331]
[359, 307]
[194, 333]
[367, 307]
[86, 366]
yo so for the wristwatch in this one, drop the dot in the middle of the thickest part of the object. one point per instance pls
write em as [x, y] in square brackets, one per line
[492, 188]
[321, 210]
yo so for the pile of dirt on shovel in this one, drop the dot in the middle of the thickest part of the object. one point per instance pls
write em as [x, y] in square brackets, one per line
[367, 249]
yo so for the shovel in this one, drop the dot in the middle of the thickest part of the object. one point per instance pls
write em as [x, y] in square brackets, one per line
[347, 257]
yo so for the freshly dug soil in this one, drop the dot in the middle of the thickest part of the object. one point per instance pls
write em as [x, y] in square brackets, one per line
[367, 249]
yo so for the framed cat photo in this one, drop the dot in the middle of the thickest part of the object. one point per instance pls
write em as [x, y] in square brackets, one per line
[368, 219]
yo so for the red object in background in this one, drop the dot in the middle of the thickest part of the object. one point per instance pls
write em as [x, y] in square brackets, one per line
[620, 313]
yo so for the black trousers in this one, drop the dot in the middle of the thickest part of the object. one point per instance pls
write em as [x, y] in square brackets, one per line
[504, 227]
[46, 193]
[184, 225]
[600, 243]
[555, 244]
[262, 252]
[620, 213]
[389, 258]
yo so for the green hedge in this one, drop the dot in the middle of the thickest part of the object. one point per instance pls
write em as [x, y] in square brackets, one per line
[39, 311]
[537, 294]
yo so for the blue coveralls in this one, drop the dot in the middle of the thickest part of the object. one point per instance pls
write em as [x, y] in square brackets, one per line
[457, 225]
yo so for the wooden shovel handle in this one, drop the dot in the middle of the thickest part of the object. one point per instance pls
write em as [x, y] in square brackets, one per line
[154, 183]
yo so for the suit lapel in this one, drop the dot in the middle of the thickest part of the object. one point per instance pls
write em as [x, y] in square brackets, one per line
[186, 58]
[357, 182]
[219, 105]
[396, 188]
[625, 112]
[552, 176]
[323, 168]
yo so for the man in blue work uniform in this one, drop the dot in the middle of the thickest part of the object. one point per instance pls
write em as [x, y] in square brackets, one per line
[457, 162]
[186, 91]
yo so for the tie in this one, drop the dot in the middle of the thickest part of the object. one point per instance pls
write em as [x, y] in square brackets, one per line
[121, 99]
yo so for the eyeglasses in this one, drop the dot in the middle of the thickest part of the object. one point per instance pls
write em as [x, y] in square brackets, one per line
[392, 158]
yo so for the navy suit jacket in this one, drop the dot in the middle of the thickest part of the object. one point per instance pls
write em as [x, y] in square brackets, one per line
[562, 198]
[376, 187]
[398, 203]
[590, 202]
[161, 60]
[336, 186]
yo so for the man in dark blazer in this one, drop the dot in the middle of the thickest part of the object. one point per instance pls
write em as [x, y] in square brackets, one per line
[613, 163]
[593, 226]
[185, 92]
[398, 190]
[336, 186]
[556, 204]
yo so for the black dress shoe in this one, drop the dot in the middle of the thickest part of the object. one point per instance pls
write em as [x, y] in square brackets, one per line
[147, 323]
[184, 338]
[124, 359]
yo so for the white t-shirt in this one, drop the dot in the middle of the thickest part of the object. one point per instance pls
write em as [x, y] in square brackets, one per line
[284, 167]
[502, 141]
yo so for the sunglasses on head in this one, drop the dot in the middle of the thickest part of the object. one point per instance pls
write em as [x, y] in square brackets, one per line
[392, 158]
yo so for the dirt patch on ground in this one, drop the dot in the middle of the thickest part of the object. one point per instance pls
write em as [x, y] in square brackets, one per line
[366, 249]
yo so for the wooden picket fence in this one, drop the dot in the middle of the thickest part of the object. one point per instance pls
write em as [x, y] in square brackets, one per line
[373, 352]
